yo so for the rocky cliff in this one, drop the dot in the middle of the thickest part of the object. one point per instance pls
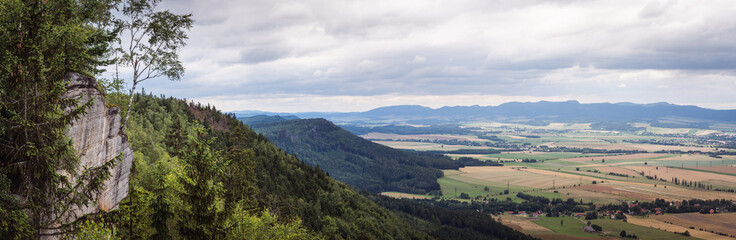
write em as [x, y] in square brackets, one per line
[97, 139]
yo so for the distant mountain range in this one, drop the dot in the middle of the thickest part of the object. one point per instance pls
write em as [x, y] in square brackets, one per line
[529, 112]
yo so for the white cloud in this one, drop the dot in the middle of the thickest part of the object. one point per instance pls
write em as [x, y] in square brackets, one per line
[322, 49]
[622, 85]
[418, 59]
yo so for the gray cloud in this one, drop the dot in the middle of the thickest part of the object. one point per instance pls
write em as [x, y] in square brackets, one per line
[660, 50]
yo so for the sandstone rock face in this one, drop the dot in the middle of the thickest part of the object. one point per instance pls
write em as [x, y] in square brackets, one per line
[97, 139]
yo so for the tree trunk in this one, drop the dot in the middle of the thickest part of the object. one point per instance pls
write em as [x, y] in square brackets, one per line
[130, 105]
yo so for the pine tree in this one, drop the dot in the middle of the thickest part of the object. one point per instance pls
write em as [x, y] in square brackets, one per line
[239, 178]
[161, 208]
[176, 139]
[41, 42]
[202, 216]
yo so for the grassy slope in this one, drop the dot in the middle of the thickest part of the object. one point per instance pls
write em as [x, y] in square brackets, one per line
[573, 227]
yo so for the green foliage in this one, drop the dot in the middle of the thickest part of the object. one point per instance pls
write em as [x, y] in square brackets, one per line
[41, 42]
[464, 196]
[154, 43]
[596, 227]
[591, 215]
[361, 163]
[266, 226]
[202, 214]
[151, 209]
[133, 215]
[111, 85]
[162, 206]
[175, 139]
[92, 230]
[274, 180]
[239, 178]
[13, 222]
[446, 223]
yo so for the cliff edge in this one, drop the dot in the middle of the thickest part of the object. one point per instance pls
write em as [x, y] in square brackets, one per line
[97, 139]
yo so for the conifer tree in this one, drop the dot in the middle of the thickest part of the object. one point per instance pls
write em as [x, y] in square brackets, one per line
[202, 216]
[161, 207]
[176, 139]
[239, 178]
[41, 42]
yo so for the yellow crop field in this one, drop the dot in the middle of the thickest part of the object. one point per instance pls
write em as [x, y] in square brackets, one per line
[518, 176]
[422, 146]
[654, 223]
[682, 174]
[390, 136]
[722, 222]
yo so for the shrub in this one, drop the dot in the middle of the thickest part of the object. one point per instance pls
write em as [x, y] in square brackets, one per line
[596, 227]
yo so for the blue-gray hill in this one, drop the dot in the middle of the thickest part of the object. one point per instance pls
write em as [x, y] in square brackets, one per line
[569, 111]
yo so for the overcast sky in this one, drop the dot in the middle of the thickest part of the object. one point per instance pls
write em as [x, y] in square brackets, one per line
[343, 55]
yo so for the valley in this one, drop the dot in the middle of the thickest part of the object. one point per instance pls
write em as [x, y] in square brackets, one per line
[543, 178]
[338, 120]
[591, 166]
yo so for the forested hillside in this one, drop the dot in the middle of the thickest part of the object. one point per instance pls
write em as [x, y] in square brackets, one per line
[356, 161]
[284, 185]
[259, 183]
[195, 174]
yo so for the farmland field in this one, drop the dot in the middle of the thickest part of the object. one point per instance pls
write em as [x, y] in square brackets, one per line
[722, 222]
[656, 224]
[596, 167]
[540, 156]
[517, 176]
[721, 169]
[426, 146]
[626, 146]
[568, 226]
[390, 136]
[405, 195]
[683, 174]
[614, 227]
[523, 223]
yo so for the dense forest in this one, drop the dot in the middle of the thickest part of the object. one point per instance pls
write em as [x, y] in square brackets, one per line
[446, 223]
[303, 198]
[282, 185]
[351, 159]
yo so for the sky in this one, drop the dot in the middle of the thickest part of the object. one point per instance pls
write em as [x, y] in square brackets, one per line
[345, 55]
